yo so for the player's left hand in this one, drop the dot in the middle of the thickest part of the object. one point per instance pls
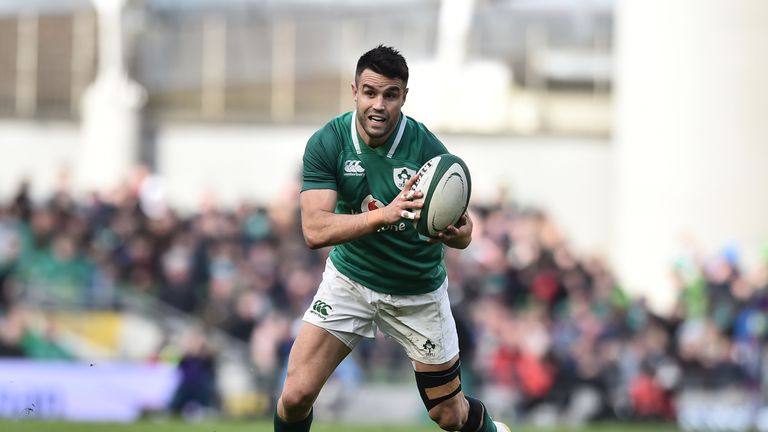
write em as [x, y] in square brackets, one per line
[456, 236]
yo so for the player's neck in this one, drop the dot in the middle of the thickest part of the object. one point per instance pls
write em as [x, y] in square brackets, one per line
[369, 141]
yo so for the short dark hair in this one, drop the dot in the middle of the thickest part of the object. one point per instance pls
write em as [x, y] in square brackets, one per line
[385, 61]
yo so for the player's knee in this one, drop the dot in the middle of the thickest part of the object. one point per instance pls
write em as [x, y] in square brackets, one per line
[450, 415]
[441, 393]
[297, 400]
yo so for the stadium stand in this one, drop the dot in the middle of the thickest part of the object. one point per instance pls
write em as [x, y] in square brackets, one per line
[549, 334]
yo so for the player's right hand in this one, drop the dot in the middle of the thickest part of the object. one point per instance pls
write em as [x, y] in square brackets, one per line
[404, 205]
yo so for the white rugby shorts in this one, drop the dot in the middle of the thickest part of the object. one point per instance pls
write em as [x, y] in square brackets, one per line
[422, 324]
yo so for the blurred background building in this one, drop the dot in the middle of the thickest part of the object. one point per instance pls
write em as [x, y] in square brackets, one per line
[151, 153]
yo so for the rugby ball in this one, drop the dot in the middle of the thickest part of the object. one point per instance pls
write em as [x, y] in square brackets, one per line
[445, 182]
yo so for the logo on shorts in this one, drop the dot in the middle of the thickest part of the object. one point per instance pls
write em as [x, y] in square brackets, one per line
[429, 346]
[353, 168]
[321, 309]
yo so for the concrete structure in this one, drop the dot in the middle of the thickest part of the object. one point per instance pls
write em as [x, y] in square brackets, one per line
[691, 137]
[111, 108]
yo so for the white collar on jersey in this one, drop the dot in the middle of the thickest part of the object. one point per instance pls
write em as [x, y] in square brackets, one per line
[398, 137]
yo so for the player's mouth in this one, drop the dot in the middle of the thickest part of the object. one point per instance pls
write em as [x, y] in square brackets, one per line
[377, 120]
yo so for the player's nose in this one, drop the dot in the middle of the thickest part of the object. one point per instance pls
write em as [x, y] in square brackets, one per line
[378, 103]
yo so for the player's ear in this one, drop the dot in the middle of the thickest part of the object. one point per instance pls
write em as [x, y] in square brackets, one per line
[354, 91]
[405, 94]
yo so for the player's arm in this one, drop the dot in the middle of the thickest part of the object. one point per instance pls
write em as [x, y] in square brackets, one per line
[323, 227]
[457, 236]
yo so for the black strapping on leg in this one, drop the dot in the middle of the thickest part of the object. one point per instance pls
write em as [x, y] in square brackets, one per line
[426, 380]
[475, 416]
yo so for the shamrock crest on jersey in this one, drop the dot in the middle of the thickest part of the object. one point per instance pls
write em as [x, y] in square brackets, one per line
[401, 175]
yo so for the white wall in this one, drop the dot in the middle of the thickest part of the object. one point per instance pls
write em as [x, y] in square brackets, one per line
[691, 133]
[568, 178]
[35, 150]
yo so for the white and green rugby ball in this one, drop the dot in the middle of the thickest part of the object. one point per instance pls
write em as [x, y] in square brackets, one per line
[445, 182]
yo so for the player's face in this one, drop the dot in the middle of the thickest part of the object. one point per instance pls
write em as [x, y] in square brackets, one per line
[378, 100]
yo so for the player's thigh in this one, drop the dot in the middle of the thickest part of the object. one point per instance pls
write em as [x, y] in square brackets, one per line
[422, 324]
[342, 306]
[430, 367]
[314, 356]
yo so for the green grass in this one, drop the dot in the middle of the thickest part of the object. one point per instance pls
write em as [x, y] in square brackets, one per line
[263, 426]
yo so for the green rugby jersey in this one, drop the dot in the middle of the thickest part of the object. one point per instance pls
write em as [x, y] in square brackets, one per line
[394, 259]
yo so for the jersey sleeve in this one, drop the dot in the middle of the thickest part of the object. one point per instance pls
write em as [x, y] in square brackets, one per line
[432, 146]
[319, 170]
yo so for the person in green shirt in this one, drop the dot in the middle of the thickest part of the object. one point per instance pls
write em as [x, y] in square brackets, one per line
[380, 274]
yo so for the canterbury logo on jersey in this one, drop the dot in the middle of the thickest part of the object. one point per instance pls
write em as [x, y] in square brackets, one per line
[321, 308]
[353, 168]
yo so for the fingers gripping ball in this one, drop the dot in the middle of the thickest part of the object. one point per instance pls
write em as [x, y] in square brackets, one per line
[446, 184]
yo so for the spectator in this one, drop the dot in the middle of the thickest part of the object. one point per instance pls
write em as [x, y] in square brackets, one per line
[196, 393]
[543, 322]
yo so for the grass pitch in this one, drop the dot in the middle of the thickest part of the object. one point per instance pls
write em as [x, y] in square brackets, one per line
[264, 426]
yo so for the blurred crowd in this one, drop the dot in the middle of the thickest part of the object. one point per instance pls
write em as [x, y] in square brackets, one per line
[545, 332]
